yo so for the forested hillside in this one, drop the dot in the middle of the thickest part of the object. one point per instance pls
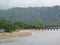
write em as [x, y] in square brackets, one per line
[46, 15]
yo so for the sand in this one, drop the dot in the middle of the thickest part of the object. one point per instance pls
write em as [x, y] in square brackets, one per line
[21, 33]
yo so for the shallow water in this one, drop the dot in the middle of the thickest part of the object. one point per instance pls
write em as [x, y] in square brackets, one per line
[37, 38]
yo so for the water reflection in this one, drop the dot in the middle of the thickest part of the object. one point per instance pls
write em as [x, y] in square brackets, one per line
[37, 38]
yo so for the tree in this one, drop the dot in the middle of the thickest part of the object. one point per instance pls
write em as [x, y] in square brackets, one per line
[39, 26]
[7, 25]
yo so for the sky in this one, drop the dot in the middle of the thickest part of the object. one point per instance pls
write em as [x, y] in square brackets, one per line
[5, 4]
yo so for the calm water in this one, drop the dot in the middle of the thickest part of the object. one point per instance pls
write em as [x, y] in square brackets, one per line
[37, 38]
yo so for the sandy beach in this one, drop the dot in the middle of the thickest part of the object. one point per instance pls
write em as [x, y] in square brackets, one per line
[21, 33]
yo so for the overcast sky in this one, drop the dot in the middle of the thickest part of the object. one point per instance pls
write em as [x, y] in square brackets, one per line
[5, 4]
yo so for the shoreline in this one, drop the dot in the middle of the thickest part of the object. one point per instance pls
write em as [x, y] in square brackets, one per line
[21, 33]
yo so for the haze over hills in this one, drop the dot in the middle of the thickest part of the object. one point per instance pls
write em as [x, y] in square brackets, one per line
[47, 15]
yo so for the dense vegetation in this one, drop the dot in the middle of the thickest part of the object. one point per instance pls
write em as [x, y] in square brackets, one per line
[12, 26]
[7, 25]
[47, 15]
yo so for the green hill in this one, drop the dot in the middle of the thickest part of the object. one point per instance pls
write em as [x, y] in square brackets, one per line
[47, 15]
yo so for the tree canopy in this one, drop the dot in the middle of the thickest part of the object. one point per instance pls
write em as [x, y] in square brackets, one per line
[12, 26]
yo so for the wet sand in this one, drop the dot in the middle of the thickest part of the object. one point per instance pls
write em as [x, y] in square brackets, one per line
[21, 33]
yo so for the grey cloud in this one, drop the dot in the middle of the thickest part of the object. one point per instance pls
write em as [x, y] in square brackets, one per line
[4, 4]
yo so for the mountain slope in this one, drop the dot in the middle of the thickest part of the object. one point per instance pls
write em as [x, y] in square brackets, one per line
[47, 15]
